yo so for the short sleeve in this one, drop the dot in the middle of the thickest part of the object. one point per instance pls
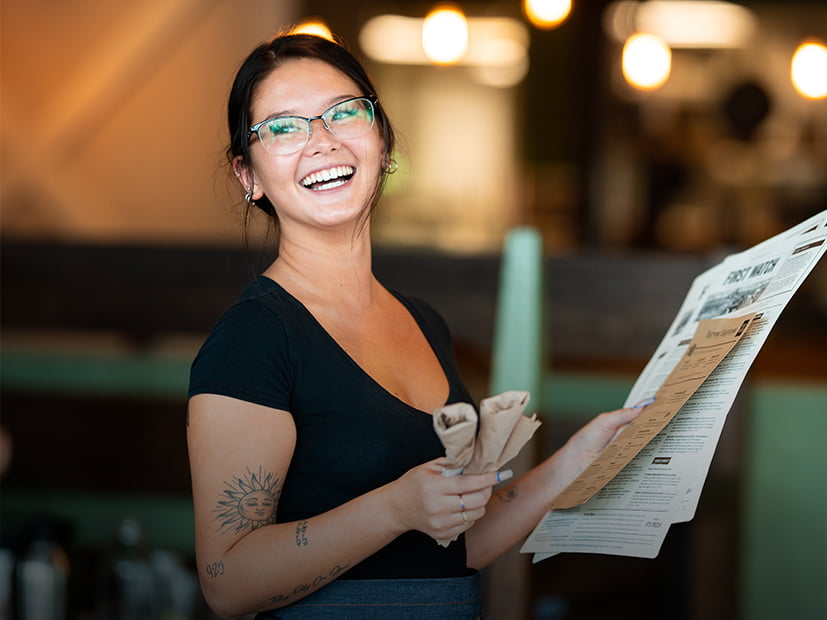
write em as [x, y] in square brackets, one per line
[246, 356]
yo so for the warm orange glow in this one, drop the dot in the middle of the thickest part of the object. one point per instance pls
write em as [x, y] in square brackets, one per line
[808, 70]
[445, 35]
[704, 24]
[547, 14]
[497, 53]
[313, 26]
[647, 61]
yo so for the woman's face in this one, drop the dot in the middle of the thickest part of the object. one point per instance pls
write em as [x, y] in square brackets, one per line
[308, 87]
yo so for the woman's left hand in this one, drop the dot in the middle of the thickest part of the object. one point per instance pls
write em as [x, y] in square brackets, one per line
[592, 439]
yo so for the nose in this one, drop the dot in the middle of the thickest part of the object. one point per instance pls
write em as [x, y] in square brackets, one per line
[319, 139]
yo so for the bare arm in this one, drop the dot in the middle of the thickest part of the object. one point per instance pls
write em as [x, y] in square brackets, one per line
[239, 456]
[514, 511]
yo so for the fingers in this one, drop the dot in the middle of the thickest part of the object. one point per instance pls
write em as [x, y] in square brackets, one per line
[463, 501]
[613, 422]
[472, 494]
[621, 418]
[468, 503]
[444, 507]
[644, 403]
[603, 429]
[467, 483]
[468, 511]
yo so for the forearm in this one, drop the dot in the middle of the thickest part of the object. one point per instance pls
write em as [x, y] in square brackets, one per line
[514, 511]
[276, 565]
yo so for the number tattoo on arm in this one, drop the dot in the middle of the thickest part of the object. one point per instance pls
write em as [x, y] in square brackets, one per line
[216, 569]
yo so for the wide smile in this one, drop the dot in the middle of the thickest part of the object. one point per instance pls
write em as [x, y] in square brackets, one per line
[328, 179]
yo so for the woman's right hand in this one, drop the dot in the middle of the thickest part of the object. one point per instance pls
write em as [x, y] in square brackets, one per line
[439, 506]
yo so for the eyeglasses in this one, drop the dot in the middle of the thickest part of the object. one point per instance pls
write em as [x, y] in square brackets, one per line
[285, 135]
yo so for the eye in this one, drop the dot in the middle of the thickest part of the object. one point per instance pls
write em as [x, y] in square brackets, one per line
[283, 126]
[345, 111]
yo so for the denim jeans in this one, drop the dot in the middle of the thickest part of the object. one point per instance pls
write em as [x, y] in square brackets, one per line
[456, 598]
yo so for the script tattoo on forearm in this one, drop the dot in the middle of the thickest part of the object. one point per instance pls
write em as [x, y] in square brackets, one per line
[248, 502]
[305, 588]
[509, 494]
[301, 534]
[338, 570]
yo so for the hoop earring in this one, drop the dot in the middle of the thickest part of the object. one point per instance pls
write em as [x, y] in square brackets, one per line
[391, 167]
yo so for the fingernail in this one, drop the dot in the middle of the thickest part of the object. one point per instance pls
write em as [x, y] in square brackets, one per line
[643, 403]
[504, 475]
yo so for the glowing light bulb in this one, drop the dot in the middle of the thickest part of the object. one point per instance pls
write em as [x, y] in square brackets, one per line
[647, 61]
[313, 26]
[547, 14]
[445, 35]
[808, 70]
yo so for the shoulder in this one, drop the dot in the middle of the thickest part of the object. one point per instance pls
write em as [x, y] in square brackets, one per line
[248, 350]
[258, 313]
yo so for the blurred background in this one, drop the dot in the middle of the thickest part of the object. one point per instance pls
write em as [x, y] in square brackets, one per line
[644, 141]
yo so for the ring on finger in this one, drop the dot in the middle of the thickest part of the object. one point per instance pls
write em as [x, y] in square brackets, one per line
[461, 502]
[465, 517]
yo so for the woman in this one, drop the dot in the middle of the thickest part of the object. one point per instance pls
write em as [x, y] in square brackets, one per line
[317, 477]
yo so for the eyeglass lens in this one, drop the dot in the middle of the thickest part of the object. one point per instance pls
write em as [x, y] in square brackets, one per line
[288, 134]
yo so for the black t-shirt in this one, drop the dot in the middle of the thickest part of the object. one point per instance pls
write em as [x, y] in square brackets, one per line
[352, 435]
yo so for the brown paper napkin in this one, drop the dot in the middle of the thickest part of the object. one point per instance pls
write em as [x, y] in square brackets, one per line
[503, 431]
[456, 425]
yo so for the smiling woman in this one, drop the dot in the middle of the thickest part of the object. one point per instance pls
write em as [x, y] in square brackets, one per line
[317, 475]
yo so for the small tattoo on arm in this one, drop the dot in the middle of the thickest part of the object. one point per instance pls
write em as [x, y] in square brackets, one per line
[301, 534]
[508, 494]
[216, 569]
[248, 502]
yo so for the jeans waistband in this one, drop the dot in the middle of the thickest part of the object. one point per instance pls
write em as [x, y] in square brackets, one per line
[456, 598]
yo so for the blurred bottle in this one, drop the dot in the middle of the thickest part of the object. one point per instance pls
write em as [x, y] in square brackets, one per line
[43, 576]
[176, 585]
[6, 581]
[127, 589]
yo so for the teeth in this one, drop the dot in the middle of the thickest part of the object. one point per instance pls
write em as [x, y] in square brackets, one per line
[324, 176]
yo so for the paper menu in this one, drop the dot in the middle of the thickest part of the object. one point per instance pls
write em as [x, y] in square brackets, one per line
[631, 513]
[713, 340]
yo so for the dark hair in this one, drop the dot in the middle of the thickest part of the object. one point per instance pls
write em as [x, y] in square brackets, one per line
[269, 56]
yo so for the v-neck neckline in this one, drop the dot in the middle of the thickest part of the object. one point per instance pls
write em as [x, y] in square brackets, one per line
[342, 352]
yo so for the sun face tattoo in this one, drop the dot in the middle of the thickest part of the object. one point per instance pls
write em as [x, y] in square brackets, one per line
[248, 502]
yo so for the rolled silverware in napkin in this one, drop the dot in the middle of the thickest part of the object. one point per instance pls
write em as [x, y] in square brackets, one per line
[456, 426]
[503, 431]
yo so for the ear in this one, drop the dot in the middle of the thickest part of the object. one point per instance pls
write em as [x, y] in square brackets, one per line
[245, 176]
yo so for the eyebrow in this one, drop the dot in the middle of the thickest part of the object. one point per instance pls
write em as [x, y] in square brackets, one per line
[330, 103]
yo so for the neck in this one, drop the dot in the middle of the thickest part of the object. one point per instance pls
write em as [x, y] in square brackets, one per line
[335, 269]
